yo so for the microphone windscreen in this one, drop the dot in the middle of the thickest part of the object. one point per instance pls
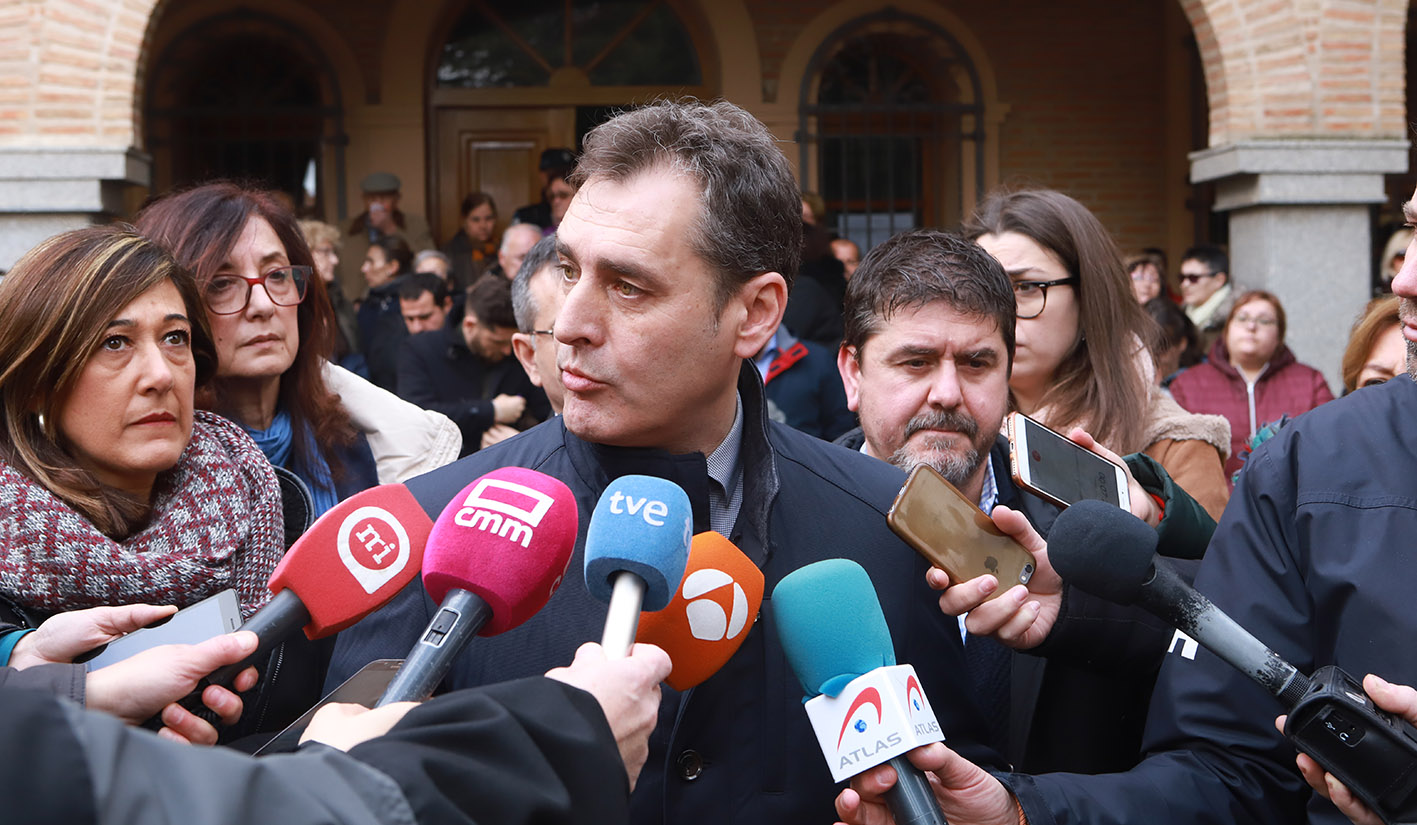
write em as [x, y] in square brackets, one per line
[831, 625]
[711, 613]
[507, 537]
[640, 525]
[1102, 549]
[355, 557]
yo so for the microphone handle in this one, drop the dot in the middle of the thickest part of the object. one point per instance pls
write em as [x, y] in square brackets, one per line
[277, 621]
[1168, 596]
[910, 799]
[623, 618]
[461, 615]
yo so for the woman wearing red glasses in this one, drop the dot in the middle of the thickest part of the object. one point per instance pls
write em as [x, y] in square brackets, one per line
[272, 326]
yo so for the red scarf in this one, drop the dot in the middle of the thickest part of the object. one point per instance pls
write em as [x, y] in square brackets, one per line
[216, 523]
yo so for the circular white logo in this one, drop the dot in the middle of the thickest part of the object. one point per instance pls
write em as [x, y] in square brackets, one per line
[708, 621]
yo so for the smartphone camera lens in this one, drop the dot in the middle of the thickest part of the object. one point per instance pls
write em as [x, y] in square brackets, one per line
[1025, 574]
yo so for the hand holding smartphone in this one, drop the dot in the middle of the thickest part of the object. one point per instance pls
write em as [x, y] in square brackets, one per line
[1058, 471]
[936, 519]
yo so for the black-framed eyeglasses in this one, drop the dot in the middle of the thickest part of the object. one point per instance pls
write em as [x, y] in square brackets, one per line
[229, 294]
[1030, 297]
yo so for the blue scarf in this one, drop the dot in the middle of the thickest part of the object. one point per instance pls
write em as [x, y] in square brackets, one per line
[278, 444]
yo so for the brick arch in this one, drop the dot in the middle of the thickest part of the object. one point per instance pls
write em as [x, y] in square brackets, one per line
[77, 84]
[1302, 68]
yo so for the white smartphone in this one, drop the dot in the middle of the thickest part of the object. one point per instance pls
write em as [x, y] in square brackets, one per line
[194, 623]
[1059, 471]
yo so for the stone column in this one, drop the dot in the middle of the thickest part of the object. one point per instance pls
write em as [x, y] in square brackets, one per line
[45, 191]
[1300, 227]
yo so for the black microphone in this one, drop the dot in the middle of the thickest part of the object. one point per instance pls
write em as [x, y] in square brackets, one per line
[1111, 554]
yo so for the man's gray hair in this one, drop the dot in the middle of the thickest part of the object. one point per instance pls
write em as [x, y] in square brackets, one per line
[750, 219]
[507, 234]
[431, 254]
[523, 304]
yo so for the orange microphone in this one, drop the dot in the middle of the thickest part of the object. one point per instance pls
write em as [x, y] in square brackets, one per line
[711, 612]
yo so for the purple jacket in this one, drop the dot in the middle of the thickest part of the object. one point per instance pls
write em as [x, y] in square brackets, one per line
[1216, 387]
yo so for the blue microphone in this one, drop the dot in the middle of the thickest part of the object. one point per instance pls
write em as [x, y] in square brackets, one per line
[833, 631]
[636, 549]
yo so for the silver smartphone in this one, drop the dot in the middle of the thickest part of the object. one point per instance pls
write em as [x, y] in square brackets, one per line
[194, 623]
[1059, 471]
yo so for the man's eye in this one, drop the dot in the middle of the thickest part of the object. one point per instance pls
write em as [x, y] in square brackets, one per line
[627, 289]
[568, 273]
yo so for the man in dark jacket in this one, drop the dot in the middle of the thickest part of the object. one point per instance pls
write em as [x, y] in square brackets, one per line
[463, 370]
[676, 255]
[564, 749]
[1311, 557]
[929, 343]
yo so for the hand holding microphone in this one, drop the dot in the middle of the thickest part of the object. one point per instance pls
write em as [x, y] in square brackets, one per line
[636, 548]
[1330, 718]
[627, 689]
[866, 710]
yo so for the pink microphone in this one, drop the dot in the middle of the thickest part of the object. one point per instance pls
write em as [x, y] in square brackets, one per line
[495, 556]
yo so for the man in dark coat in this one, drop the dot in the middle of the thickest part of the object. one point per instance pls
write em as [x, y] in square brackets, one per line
[929, 342]
[463, 370]
[676, 256]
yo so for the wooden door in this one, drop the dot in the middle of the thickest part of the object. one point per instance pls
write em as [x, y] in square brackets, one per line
[493, 150]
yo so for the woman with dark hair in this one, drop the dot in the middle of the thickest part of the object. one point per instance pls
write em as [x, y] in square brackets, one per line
[113, 489]
[1251, 377]
[1083, 354]
[1376, 351]
[273, 329]
[474, 248]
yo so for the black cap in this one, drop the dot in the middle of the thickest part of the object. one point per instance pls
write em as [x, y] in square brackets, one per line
[560, 158]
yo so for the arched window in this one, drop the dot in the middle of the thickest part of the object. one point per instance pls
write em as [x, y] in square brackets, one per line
[242, 95]
[891, 127]
[499, 43]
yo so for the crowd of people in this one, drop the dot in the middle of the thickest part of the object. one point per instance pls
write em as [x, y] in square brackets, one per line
[183, 397]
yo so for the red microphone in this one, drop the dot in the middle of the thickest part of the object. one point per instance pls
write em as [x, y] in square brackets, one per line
[352, 561]
[711, 613]
[496, 555]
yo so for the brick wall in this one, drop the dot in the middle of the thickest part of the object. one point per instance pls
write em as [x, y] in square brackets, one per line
[67, 71]
[1302, 68]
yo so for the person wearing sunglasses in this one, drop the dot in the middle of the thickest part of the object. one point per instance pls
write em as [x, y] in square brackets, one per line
[1083, 350]
[1206, 291]
[1251, 377]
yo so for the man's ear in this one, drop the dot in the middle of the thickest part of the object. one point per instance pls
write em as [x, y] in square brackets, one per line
[1226, 276]
[524, 349]
[758, 308]
[447, 303]
[850, 370]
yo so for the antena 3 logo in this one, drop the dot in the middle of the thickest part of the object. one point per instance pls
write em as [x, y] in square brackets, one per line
[504, 508]
[374, 546]
[704, 591]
